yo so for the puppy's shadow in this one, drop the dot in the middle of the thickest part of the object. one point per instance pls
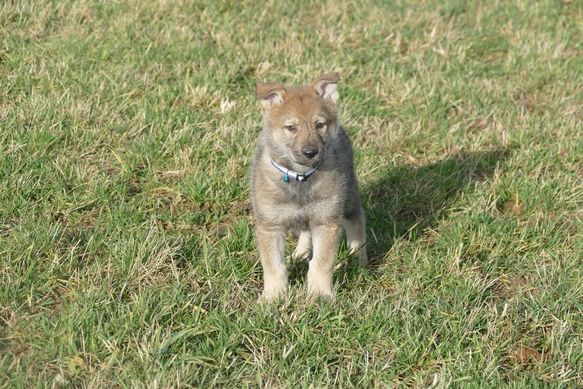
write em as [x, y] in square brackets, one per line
[407, 200]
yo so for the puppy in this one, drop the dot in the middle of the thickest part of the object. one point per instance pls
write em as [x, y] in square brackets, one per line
[303, 179]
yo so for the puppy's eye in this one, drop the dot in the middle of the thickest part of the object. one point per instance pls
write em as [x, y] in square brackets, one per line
[290, 128]
[320, 125]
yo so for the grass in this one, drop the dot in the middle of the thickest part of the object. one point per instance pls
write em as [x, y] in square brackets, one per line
[126, 250]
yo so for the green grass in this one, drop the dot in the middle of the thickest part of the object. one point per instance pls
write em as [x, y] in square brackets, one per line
[126, 250]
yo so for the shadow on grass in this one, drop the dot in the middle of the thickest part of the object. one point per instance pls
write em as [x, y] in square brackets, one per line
[407, 200]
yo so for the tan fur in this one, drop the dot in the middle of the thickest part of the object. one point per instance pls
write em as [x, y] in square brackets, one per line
[298, 118]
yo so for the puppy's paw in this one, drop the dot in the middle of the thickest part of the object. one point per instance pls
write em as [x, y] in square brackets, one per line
[316, 298]
[304, 247]
[272, 295]
[302, 253]
[320, 287]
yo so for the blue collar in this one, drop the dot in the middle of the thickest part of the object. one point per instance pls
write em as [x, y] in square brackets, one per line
[287, 173]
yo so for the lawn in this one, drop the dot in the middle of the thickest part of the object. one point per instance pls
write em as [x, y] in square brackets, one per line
[126, 247]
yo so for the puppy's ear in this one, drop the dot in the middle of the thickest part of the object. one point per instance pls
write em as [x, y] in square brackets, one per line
[326, 86]
[270, 94]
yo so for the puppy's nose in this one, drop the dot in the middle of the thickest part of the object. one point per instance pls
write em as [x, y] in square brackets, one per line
[310, 151]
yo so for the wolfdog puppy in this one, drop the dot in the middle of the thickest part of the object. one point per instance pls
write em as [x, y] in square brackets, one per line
[303, 179]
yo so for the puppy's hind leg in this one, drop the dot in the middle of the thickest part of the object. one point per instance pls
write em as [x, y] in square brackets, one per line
[304, 247]
[355, 228]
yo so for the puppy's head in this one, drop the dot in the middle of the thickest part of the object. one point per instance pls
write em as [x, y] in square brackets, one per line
[301, 119]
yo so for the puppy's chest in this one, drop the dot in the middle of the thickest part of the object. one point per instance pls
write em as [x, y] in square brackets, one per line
[302, 203]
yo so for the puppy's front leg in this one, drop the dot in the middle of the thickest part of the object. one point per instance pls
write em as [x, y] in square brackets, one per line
[325, 241]
[271, 252]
